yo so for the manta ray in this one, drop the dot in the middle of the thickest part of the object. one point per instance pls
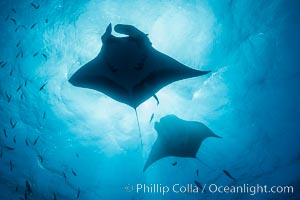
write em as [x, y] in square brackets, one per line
[177, 137]
[128, 69]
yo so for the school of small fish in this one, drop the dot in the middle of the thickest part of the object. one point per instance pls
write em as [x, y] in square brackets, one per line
[10, 138]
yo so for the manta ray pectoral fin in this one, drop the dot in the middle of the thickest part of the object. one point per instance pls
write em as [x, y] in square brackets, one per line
[199, 73]
[156, 154]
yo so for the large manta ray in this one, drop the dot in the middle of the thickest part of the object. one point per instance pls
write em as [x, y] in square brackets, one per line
[128, 69]
[177, 137]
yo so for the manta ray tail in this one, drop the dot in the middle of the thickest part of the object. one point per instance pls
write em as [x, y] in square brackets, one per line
[138, 122]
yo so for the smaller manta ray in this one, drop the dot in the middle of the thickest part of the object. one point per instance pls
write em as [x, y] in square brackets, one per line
[177, 137]
[128, 69]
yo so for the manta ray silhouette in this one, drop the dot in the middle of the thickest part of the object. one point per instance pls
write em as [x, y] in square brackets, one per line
[177, 137]
[128, 69]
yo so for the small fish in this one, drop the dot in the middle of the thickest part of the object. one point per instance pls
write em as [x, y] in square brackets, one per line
[44, 115]
[10, 166]
[14, 10]
[42, 87]
[17, 188]
[13, 20]
[18, 44]
[46, 20]
[9, 148]
[22, 95]
[174, 164]
[19, 53]
[26, 141]
[35, 54]
[197, 172]
[45, 56]
[1, 153]
[20, 86]
[36, 140]
[65, 176]
[28, 187]
[33, 25]
[20, 26]
[35, 6]
[4, 131]
[73, 172]
[151, 118]
[229, 175]
[78, 193]
[25, 195]
[14, 125]
[77, 155]
[155, 97]
[3, 64]
[25, 83]
[8, 97]
[11, 121]
[41, 158]
[54, 196]
[6, 18]
[11, 72]
[198, 185]
[15, 140]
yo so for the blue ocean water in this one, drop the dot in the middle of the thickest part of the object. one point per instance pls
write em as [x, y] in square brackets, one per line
[67, 139]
